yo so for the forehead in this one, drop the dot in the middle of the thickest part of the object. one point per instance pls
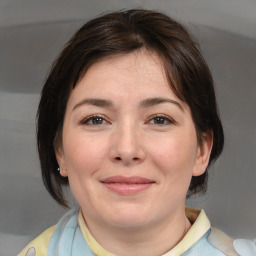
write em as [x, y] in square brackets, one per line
[137, 71]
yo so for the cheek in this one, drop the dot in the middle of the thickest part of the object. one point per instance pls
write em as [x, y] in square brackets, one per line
[84, 154]
[175, 156]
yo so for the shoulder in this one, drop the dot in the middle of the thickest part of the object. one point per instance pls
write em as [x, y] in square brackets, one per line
[229, 246]
[38, 247]
[245, 247]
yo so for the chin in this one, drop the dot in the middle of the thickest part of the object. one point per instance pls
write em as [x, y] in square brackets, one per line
[129, 217]
[128, 223]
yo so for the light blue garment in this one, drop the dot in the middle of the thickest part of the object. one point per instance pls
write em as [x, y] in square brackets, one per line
[245, 247]
[204, 248]
[67, 240]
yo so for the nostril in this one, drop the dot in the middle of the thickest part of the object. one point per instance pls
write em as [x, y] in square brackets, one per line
[118, 158]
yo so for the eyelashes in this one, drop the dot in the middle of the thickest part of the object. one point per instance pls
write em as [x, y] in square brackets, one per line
[94, 120]
[158, 120]
[161, 120]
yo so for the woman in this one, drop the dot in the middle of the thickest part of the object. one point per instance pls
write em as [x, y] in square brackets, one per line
[128, 119]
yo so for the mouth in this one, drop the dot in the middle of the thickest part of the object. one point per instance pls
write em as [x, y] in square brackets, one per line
[127, 185]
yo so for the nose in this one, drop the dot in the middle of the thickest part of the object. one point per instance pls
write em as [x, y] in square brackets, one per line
[127, 145]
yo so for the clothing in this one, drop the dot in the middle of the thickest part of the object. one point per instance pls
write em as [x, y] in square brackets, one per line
[72, 237]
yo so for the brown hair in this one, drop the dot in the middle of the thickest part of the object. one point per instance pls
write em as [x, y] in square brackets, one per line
[120, 33]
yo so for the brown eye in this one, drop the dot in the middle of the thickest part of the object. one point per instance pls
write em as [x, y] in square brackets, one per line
[161, 120]
[94, 120]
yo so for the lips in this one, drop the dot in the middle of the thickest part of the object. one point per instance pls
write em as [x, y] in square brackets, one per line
[127, 185]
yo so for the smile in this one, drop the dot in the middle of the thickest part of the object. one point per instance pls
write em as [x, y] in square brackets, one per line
[127, 185]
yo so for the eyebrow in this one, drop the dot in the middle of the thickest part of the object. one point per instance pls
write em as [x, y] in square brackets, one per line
[150, 102]
[155, 101]
[94, 102]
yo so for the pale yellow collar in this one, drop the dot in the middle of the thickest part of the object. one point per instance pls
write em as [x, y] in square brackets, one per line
[200, 225]
[95, 247]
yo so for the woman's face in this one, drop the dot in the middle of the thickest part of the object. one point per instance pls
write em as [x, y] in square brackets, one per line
[129, 145]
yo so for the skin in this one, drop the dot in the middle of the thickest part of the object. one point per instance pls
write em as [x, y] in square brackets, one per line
[126, 138]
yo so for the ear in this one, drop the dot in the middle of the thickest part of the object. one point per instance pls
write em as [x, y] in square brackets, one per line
[203, 154]
[61, 161]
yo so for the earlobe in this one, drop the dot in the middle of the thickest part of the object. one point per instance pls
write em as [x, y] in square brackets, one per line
[203, 154]
[61, 161]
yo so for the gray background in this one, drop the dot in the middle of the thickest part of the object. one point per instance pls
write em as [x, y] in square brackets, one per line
[32, 32]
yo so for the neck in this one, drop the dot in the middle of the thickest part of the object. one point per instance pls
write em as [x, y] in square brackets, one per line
[156, 239]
